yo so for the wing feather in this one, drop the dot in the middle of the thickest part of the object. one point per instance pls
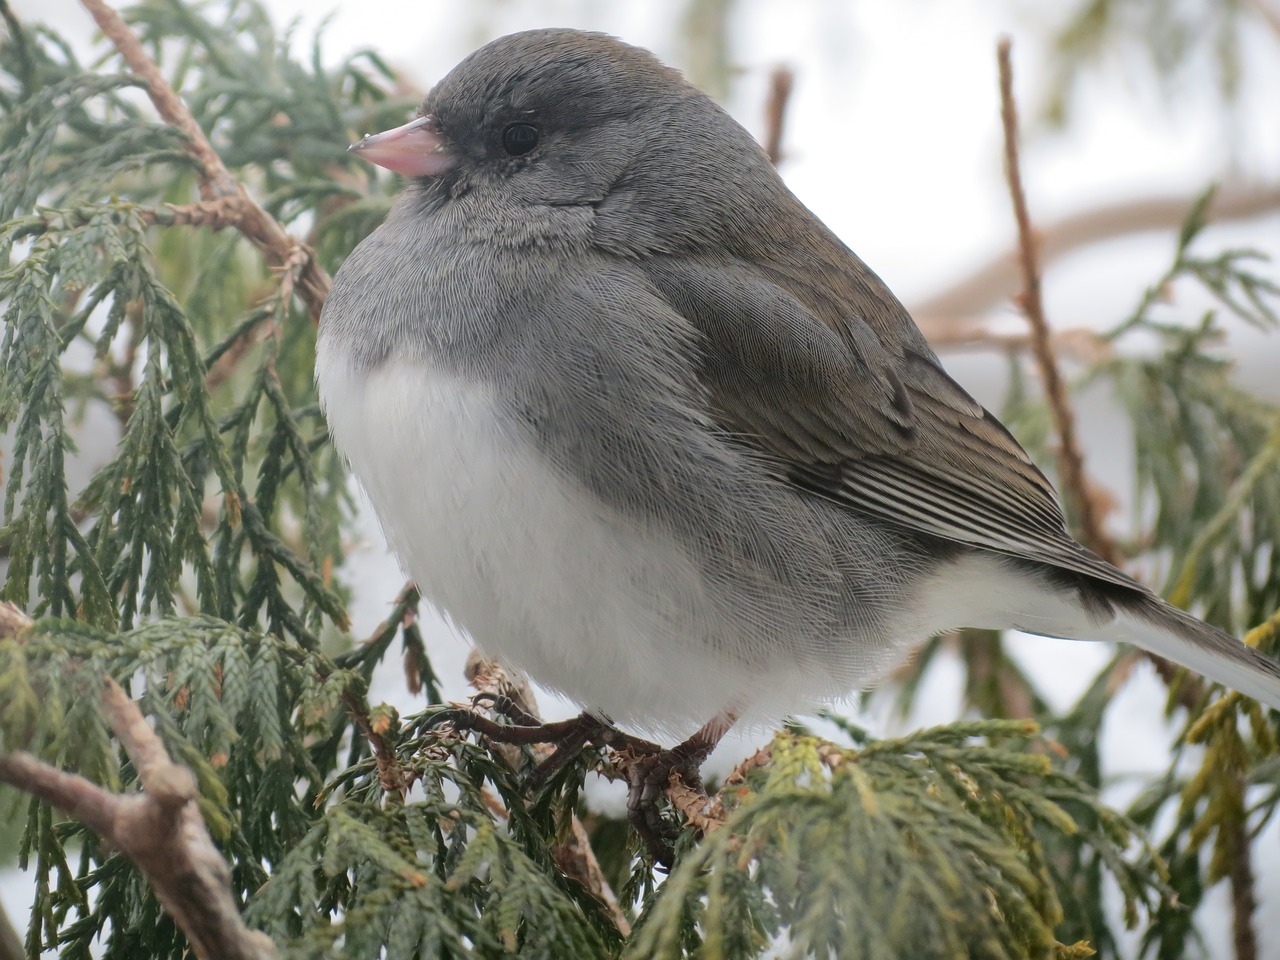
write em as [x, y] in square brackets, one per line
[879, 427]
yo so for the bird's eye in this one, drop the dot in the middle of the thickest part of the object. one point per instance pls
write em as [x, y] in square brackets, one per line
[519, 138]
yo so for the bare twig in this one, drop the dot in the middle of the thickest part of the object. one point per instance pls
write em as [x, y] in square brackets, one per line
[159, 829]
[781, 81]
[966, 300]
[1244, 903]
[1075, 482]
[1070, 459]
[948, 336]
[217, 185]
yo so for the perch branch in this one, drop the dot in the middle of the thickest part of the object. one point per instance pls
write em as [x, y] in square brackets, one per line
[217, 186]
[159, 829]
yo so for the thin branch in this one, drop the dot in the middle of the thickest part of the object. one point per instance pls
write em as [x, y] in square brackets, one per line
[781, 82]
[1070, 458]
[159, 829]
[217, 185]
[995, 281]
[215, 181]
[1244, 903]
[947, 336]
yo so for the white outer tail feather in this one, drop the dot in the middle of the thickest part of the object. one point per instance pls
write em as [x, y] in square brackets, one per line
[987, 590]
[1169, 632]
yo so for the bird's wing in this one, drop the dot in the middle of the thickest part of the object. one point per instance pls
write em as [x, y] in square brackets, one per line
[880, 428]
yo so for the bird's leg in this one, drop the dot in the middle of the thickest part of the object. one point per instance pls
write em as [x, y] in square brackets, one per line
[649, 775]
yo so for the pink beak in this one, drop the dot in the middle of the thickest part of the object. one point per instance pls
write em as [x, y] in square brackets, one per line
[414, 150]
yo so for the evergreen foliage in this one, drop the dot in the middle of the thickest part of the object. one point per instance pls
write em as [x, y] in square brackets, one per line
[197, 566]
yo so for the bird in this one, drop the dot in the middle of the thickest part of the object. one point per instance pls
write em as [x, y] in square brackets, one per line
[639, 423]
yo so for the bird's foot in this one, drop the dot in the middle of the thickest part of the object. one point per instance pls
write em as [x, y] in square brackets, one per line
[523, 729]
[567, 738]
[649, 777]
[649, 767]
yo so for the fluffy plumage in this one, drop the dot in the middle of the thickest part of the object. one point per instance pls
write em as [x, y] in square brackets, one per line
[637, 421]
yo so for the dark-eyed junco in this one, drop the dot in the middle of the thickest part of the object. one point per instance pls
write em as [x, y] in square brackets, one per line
[634, 419]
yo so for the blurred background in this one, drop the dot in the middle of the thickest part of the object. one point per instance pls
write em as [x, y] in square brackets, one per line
[891, 134]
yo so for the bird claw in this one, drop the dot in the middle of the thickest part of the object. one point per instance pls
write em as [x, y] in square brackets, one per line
[648, 774]
[647, 780]
[506, 707]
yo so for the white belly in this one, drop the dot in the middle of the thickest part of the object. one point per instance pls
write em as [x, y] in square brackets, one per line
[532, 567]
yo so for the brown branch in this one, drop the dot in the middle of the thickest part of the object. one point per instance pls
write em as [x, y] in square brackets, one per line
[1190, 690]
[391, 776]
[1244, 903]
[709, 814]
[159, 829]
[217, 185]
[947, 336]
[215, 180]
[1070, 458]
[997, 280]
[781, 82]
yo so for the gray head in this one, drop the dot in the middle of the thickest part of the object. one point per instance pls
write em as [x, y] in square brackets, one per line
[564, 117]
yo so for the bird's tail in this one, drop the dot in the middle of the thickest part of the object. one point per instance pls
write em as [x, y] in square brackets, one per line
[998, 592]
[1150, 623]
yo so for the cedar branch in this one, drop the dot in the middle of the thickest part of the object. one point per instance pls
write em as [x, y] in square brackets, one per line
[217, 186]
[159, 829]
